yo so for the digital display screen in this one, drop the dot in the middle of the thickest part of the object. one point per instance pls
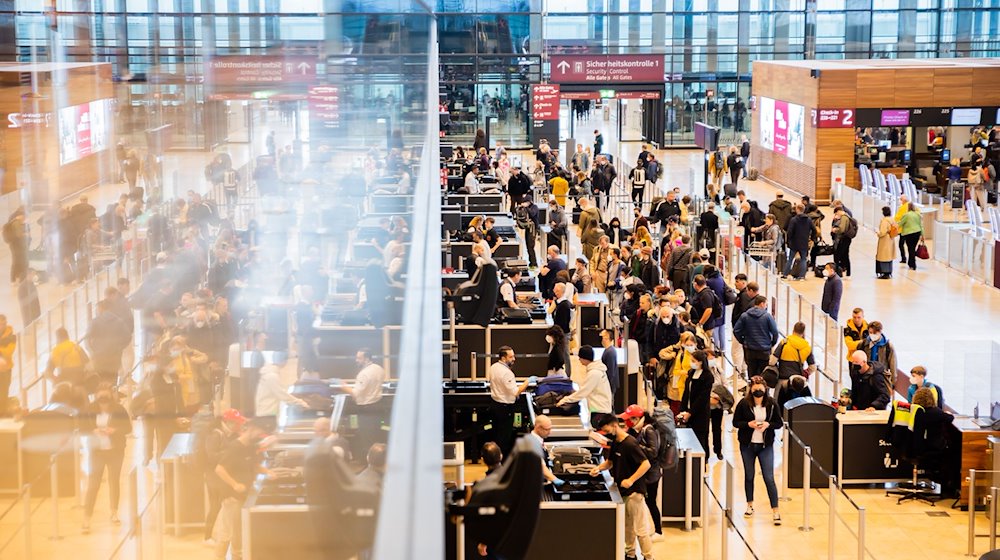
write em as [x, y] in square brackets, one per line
[895, 117]
[83, 130]
[782, 127]
[966, 117]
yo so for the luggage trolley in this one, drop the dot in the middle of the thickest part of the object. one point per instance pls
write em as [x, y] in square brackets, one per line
[761, 252]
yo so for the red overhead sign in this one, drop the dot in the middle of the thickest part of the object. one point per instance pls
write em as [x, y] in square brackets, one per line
[580, 95]
[545, 102]
[833, 118]
[609, 69]
[260, 70]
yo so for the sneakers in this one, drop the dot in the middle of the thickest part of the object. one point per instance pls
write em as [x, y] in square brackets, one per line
[656, 537]
[748, 512]
[777, 519]
[115, 520]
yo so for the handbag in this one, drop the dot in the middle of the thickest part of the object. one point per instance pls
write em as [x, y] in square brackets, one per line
[922, 252]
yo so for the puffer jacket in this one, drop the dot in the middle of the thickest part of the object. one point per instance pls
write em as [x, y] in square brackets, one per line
[756, 330]
[794, 352]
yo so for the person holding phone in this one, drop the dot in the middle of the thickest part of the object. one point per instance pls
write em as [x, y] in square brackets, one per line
[756, 418]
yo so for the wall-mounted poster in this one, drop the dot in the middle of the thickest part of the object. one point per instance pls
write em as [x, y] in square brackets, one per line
[767, 123]
[796, 128]
[83, 130]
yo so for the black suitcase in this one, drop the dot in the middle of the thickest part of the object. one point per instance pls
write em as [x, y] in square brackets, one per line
[576, 215]
[818, 270]
[511, 316]
[729, 189]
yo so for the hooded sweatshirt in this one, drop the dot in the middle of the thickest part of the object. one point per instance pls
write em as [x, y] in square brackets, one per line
[595, 388]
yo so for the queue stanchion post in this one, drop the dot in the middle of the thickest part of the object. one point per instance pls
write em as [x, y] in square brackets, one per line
[27, 520]
[727, 512]
[993, 517]
[688, 497]
[831, 544]
[861, 532]
[784, 466]
[972, 512]
[705, 489]
[806, 487]
[54, 488]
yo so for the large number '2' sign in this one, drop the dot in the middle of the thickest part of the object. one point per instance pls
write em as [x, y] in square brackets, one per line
[847, 117]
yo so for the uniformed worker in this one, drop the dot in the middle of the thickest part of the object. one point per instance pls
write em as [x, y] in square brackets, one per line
[504, 391]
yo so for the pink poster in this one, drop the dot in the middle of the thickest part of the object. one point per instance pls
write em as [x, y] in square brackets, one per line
[781, 127]
[83, 147]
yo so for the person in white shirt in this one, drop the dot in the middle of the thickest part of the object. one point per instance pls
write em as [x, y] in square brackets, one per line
[471, 182]
[595, 387]
[368, 383]
[504, 391]
[271, 392]
[542, 429]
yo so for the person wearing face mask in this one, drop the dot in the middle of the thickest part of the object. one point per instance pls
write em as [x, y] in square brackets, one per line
[109, 425]
[557, 224]
[628, 465]
[661, 334]
[504, 392]
[595, 386]
[636, 310]
[642, 426]
[271, 392]
[165, 407]
[561, 309]
[106, 338]
[188, 365]
[868, 387]
[756, 418]
[615, 232]
[582, 280]
[673, 366]
[878, 349]
[696, 401]
[833, 289]
[599, 264]
[639, 220]
[237, 469]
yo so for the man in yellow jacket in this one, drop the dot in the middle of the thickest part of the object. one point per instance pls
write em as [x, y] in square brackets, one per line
[8, 343]
[793, 354]
[855, 331]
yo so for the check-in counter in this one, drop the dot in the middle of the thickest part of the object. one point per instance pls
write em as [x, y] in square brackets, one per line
[468, 417]
[681, 488]
[591, 318]
[865, 454]
[11, 469]
[183, 485]
[390, 203]
[462, 250]
[483, 203]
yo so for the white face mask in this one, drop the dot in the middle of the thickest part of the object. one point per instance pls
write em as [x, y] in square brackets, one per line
[666, 320]
[826, 273]
[548, 339]
[690, 347]
[874, 337]
[199, 324]
[696, 366]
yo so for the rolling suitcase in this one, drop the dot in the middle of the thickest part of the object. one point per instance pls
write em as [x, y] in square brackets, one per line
[730, 190]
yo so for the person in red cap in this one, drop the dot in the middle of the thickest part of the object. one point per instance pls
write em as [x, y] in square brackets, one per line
[642, 427]
[215, 442]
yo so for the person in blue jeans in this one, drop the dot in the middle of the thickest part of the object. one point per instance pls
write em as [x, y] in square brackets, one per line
[755, 419]
[797, 240]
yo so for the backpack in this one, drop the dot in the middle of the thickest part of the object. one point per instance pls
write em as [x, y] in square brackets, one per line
[666, 428]
[659, 170]
[852, 228]
[718, 310]
[731, 295]
[523, 219]
[720, 160]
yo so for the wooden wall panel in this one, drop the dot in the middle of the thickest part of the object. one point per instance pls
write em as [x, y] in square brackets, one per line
[838, 89]
[986, 85]
[952, 87]
[876, 88]
[834, 145]
[913, 87]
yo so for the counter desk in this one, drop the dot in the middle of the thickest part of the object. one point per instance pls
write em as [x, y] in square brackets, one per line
[865, 454]
[681, 488]
[183, 486]
[11, 470]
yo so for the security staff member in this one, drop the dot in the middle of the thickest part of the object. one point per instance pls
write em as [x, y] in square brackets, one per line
[366, 393]
[507, 288]
[504, 391]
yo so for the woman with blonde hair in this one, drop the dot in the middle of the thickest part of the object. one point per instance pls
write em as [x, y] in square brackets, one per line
[642, 238]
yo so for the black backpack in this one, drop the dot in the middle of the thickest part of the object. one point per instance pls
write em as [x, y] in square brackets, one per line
[718, 310]
[852, 227]
[666, 428]
[523, 219]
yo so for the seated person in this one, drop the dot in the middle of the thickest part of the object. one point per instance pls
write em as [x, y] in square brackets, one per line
[931, 433]
[795, 388]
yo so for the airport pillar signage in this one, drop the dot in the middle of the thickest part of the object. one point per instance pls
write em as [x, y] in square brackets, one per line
[606, 69]
[324, 106]
[833, 118]
[251, 71]
[545, 113]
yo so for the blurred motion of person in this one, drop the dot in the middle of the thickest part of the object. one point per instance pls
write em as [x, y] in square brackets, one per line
[8, 344]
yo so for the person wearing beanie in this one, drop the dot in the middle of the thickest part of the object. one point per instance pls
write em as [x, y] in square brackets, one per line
[595, 387]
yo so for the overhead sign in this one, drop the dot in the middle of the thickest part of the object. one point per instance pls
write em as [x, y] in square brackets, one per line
[28, 120]
[833, 118]
[611, 69]
[324, 106]
[260, 70]
[544, 102]
[894, 117]
[580, 95]
[637, 95]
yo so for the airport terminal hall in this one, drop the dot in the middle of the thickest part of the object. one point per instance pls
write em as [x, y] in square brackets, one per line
[499, 279]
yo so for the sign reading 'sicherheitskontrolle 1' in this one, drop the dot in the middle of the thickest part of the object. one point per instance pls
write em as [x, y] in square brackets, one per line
[267, 70]
[597, 68]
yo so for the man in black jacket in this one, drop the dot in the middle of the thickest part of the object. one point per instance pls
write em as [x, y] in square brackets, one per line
[650, 273]
[602, 177]
[868, 389]
[746, 292]
[665, 209]
[562, 309]
[517, 186]
[677, 264]
[797, 239]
